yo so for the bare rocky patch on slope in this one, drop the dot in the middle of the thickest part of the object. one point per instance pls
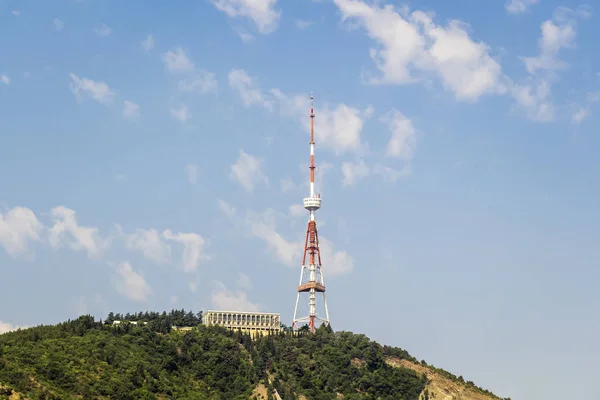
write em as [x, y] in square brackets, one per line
[440, 387]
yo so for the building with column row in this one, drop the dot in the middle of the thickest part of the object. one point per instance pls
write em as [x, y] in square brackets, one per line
[253, 323]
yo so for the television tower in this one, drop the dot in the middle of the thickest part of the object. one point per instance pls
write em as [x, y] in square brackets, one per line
[311, 275]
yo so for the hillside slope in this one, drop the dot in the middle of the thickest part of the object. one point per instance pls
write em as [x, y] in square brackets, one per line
[441, 385]
[85, 359]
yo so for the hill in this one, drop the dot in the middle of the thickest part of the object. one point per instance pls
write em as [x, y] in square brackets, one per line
[88, 359]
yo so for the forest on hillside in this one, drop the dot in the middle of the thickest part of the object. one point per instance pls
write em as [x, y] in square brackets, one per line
[89, 359]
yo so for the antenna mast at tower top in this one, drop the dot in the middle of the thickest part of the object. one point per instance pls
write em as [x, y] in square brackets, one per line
[312, 146]
[311, 275]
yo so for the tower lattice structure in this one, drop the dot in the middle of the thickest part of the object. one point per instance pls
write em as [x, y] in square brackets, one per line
[311, 275]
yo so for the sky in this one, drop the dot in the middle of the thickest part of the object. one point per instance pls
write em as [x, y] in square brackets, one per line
[155, 156]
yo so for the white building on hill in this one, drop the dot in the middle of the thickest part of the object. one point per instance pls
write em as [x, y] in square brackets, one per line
[254, 323]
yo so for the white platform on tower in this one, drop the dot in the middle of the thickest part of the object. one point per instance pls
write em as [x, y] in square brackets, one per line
[312, 203]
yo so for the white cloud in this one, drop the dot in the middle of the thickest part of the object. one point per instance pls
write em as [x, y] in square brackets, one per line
[150, 243]
[534, 94]
[291, 105]
[6, 327]
[246, 37]
[58, 24]
[337, 128]
[66, 232]
[225, 299]
[192, 173]
[403, 141]
[535, 100]
[247, 170]
[243, 281]
[148, 43]
[303, 24]
[193, 248]
[555, 36]
[97, 90]
[390, 174]
[197, 80]
[5, 79]
[411, 47]
[335, 263]
[340, 128]
[354, 171]
[237, 300]
[261, 12]
[580, 114]
[131, 283]
[103, 30]
[297, 210]
[16, 13]
[519, 6]
[463, 65]
[131, 110]
[201, 82]
[182, 114]
[226, 208]
[177, 61]
[247, 89]
[18, 227]
[263, 226]
[155, 246]
[288, 184]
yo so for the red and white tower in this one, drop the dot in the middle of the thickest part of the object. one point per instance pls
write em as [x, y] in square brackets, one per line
[311, 275]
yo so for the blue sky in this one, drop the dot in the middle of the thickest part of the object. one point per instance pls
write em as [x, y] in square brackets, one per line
[155, 156]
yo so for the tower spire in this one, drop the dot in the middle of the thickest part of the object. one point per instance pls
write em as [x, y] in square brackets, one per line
[311, 275]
